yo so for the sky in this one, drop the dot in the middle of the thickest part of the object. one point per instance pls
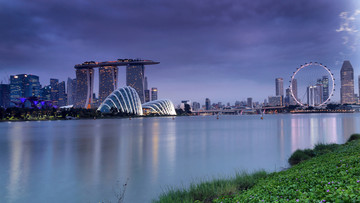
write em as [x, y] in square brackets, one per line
[224, 50]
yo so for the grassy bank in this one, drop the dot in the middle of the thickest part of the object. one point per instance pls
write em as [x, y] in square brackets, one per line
[328, 173]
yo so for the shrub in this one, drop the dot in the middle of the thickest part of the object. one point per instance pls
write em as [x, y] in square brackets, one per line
[354, 137]
[324, 148]
[299, 156]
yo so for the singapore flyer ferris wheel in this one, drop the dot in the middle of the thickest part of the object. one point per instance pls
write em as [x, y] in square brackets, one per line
[312, 84]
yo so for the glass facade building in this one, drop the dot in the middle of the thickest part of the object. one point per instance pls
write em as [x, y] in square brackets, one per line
[4, 95]
[159, 107]
[23, 86]
[154, 94]
[108, 78]
[84, 88]
[135, 76]
[347, 83]
[124, 99]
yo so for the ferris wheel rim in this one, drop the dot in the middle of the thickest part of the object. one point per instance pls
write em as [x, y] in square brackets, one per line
[306, 65]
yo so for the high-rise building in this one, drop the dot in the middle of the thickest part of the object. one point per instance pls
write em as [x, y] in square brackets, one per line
[135, 77]
[146, 91]
[275, 101]
[71, 91]
[147, 95]
[207, 104]
[108, 79]
[288, 97]
[195, 106]
[315, 94]
[294, 90]
[325, 83]
[279, 87]
[54, 83]
[84, 87]
[62, 94]
[249, 102]
[347, 83]
[146, 83]
[154, 94]
[4, 95]
[23, 86]
[45, 93]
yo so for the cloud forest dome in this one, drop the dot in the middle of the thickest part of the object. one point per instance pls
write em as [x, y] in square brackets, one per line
[161, 107]
[124, 99]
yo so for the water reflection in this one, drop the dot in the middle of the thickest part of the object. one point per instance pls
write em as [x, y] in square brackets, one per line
[83, 160]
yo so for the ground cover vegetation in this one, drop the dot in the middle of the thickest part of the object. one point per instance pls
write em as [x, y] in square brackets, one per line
[327, 173]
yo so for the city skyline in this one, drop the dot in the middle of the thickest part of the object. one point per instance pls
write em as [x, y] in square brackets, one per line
[249, 45]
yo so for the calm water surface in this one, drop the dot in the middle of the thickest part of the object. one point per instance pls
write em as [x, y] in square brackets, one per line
[89, 160]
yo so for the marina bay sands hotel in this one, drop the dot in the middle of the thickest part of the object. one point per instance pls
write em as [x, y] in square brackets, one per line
[108, 78]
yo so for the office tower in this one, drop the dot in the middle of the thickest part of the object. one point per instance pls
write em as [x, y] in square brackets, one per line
[294, 89]
[147, 95]
[288, 98]
[84, 87]
[32, 86]
[108, 79]
[71, 90]
[4, 95]
[146, 91]
[45, 93]
[154, 94]
[279, 87]
[314, 94]
[249, 102]
[195, 106]
[325, 83]
[23, 86]
[275, 101]
[207, 104]
[135, 79]
[62, 94]
[146, 83]
[347, 83]
[54, 83]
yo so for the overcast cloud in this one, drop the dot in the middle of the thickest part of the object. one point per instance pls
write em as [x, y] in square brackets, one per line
[225, 50]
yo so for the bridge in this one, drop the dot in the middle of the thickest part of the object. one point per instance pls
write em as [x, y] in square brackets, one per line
[267, 109]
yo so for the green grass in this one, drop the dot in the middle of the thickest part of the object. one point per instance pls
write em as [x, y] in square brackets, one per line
[207, 191]
[329, 173]
[330, 177]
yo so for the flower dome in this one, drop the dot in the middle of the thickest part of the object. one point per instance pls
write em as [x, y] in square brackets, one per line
[124, 99]
[160, 107]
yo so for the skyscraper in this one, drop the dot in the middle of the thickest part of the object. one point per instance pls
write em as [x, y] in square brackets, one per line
[54, 83]
[135, 79]
[62, 94]
[108, 78]
[325, 83]
[347, 83]
[294, 90]
[71, 90]
[23, 85]
[146, 91]
[279, 87]
[207, 104]
[154, 94]
[4, 95]
[249, 102]
[84, 87]
[45, 93]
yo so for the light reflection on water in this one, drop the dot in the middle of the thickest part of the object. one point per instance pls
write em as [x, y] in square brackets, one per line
[88, 160]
